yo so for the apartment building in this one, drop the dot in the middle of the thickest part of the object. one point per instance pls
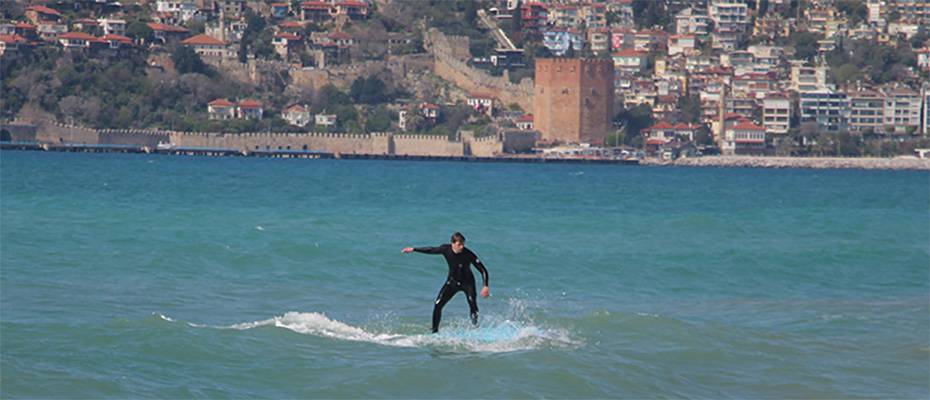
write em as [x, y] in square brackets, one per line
[827, 107]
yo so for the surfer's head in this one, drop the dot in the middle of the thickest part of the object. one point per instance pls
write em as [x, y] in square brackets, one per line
[458, 242]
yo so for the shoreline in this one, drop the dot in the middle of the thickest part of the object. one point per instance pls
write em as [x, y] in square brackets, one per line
[896, 163]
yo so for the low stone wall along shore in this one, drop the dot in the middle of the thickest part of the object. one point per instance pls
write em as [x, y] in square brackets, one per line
[911, 163]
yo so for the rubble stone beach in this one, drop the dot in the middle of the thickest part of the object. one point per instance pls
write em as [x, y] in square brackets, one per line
[896, 163]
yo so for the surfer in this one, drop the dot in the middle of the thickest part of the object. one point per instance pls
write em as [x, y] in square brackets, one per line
[460, 277]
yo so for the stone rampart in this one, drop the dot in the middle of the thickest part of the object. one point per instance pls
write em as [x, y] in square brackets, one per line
[427, 145]
[54, 132]
[486, 146]
[346, 143]
[451, 65]
[18, 131]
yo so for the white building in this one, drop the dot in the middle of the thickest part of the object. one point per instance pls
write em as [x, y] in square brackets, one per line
[923, 58]
[325, 119]
[729, 16]
[902, 110]
[209, 47]
[183, 10]
[681, 44]
[481, 103]
[691, 22]
[112, 26]
[829, 108]
[297, 115]
[776, 114]
[807, 78]
[925, 121]
[743, 138]
[866, 111]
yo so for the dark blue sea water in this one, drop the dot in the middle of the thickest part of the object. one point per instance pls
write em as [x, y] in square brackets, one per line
[173, 277]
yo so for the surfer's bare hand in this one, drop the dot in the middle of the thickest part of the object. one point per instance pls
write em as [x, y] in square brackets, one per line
[485, 292]
[407, 250]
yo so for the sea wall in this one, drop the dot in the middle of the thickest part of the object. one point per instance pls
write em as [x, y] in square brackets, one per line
[899, 163]
[487, 146]
[345, 143]
[427, 145]
[329, 142]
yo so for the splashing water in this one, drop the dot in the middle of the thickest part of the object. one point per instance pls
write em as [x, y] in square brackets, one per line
[494, 335]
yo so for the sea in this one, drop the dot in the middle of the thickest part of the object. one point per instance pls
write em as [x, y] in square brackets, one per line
[157, 276]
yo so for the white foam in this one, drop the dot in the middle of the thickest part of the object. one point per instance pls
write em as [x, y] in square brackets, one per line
[491, 337]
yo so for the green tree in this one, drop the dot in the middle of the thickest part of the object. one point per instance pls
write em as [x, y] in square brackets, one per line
[262, 45]
[690, 108]
[187, 61]
[139, 30]
[846, 73]
[920, 40]
[856, 10]
[805, 44]
[379, 120]
[330, 96]
[369, 90]
[649, 13]
[633, 121]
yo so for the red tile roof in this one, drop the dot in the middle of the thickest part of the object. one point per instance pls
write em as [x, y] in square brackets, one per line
[166, 28]
[734, 116]
[340, 35]
[295, 108]
[11, 39]
[288, 36]
[663, 125]
[24, 25]
[203, 40]
[221, 103]
[291, 25]
[747, 126]
[117, 38]
[249, 103]
[655, 141]
[78, 36]
[43, 10]
[315, 5]
[525, 118]
[629, 53]
[352, 4]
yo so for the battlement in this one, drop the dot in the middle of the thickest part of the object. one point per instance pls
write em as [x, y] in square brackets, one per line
[421, 137]
[569, 65]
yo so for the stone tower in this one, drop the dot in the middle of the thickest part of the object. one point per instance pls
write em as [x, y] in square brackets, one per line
[573, 99]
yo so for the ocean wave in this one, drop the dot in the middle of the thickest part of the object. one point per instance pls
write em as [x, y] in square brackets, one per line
[494, 335]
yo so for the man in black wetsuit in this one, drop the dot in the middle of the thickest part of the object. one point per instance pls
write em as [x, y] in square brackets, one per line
[460, 278]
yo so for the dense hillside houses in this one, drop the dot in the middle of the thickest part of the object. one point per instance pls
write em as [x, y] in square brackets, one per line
[734, 76]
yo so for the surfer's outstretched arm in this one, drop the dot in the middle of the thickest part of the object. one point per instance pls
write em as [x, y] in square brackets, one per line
[426, 250]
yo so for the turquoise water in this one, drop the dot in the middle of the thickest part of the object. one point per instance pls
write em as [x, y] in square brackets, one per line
[173, 277]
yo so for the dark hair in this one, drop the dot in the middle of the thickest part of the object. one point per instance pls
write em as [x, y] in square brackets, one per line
[458, 237]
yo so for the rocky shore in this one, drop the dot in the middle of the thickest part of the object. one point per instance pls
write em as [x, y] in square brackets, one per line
[897, 163]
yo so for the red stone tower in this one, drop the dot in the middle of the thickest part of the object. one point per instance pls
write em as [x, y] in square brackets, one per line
[573, 99]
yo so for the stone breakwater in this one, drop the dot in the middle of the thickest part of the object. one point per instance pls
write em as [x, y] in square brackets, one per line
[897, 163]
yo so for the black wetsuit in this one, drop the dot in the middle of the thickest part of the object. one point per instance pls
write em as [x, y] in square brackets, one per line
[460, 278]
